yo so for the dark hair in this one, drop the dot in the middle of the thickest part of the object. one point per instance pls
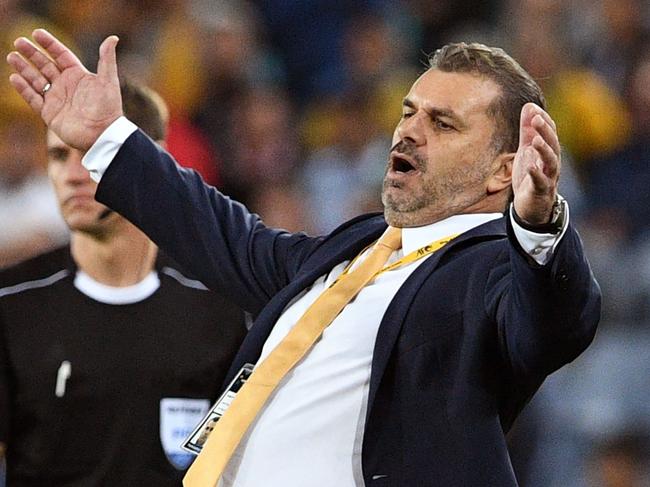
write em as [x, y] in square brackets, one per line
[145, 108]
[517, 86]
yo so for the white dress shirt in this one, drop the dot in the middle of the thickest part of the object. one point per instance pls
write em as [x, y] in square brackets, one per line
[310, 431]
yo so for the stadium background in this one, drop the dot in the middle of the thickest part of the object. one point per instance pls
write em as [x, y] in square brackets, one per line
[288, 105]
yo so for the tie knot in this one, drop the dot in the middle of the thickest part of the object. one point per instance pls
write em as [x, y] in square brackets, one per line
[392, 238]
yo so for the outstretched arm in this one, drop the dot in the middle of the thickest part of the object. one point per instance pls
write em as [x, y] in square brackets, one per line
[74, 103]
[216, 239]
[547, 312]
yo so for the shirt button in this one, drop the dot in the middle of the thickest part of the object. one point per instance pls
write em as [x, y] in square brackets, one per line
[537, 251]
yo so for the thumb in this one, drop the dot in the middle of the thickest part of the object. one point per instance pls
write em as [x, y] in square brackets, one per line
[536, 172]
[107, 65]
[527, 114]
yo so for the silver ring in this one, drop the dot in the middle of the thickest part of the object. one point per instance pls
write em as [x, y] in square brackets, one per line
[46, 88]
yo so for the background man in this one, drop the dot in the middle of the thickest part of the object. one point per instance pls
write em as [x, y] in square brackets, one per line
[418, 377]
[110, 353]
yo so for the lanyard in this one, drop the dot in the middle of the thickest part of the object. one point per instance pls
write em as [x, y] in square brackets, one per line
[407, 259]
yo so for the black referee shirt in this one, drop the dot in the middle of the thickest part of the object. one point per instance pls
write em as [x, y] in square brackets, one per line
[96, 421]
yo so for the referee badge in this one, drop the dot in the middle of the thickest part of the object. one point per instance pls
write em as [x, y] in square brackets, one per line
[178, 417]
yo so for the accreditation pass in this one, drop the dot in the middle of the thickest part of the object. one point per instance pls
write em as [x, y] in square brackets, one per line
[195, 441]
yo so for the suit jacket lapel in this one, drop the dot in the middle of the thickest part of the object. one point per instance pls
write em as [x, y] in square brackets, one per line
[393, 319]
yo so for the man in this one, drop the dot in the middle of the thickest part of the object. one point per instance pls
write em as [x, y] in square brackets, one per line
[110, 353]
[422, 371]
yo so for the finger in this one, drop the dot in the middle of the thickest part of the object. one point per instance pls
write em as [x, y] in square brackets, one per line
[527, 113]
[27, 92]
[32, 53]
[547, 132]
[107, 66]
[28, 72]
[526, 129]
[533, 168]
[63, 56]
[533, 109]
[548, 157]
[542, 113]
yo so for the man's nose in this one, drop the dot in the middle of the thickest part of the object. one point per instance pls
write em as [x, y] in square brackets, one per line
[411, 129]
[75, 171]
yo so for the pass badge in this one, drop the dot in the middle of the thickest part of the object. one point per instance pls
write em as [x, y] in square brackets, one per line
[195, 441]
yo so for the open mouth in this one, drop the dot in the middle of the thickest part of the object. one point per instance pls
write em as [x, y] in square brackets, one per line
[402, 164]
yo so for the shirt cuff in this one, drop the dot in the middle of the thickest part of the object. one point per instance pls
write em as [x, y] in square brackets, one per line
[540, 246]
[105, 148]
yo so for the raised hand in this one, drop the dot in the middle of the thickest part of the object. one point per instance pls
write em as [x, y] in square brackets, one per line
[536, 168]
[75, 104]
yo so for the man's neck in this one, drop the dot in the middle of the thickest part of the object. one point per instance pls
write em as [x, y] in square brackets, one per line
[119, 260]
[490, 203]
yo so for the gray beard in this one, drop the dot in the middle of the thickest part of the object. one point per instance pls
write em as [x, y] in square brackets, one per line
[437, 199]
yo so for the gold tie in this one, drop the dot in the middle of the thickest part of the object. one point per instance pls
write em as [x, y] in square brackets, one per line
[229, 430]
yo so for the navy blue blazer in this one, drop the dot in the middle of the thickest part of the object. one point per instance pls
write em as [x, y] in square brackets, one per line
[465, 342]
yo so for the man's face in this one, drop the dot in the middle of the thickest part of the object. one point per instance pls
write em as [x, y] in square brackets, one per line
[443, 153]
[74, 189]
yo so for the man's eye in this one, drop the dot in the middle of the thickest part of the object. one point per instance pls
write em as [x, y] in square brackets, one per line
[57, 155]
[407, 114]
[442, 125]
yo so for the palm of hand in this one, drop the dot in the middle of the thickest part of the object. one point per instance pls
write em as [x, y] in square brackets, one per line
[75, 107]
[75, 104]
[526, 157]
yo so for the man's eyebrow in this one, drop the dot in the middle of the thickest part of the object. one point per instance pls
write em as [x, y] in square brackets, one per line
[406, 102]
[56, 150]
[435, 111]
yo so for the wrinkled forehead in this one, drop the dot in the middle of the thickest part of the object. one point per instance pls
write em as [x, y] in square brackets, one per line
[466, 94]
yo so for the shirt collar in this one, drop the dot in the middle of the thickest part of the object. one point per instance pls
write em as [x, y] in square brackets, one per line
[415, 237]
[117, 295]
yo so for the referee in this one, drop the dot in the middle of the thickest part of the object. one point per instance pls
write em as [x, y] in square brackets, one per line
[109, 353]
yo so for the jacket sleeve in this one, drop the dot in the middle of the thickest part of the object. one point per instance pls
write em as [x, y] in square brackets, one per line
[215, 238]
[546, 315]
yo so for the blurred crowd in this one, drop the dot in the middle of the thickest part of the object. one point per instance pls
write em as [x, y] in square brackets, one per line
[288, 105]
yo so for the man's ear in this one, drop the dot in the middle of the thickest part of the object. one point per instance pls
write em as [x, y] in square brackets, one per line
[502, 176]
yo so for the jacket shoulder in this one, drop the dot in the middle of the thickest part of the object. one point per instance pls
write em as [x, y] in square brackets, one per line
[361, 222]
